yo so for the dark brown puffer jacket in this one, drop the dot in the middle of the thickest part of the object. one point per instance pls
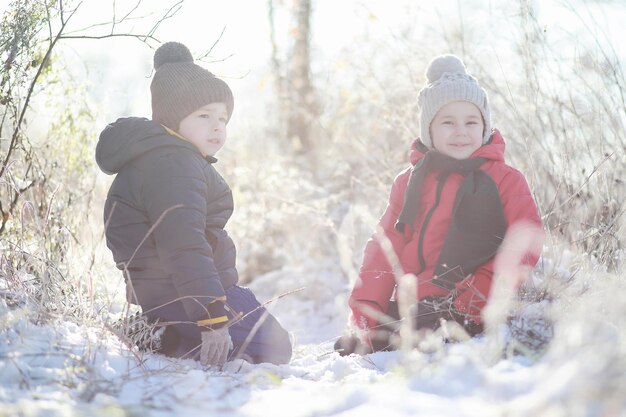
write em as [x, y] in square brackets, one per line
[164, 217]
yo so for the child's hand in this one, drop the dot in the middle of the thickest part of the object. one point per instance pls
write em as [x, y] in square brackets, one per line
[365, 314]
[215, 340]
[215, 346]
[349, 344]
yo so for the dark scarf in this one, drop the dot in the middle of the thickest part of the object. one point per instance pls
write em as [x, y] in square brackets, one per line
[478, 224]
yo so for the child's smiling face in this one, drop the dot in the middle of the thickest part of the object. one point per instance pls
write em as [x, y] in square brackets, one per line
[457, 129]
[205, 128]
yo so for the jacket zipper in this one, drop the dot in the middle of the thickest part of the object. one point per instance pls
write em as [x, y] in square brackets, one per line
[420, 246]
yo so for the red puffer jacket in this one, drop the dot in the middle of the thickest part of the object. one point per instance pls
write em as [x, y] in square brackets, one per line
[377, 282]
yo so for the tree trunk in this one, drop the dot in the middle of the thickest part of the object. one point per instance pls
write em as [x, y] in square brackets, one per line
[301, 109]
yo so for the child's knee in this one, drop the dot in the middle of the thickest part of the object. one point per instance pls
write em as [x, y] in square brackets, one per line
[273, 343]
[282, 342]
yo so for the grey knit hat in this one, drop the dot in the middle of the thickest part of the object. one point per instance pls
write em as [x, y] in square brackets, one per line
[448, 81]
[180, 87]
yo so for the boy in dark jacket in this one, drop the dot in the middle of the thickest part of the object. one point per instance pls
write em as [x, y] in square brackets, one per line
[446, 218]
[165, 215]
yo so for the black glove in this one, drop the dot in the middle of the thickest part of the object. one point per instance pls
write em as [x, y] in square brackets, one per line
[349, 344]
[380, 339]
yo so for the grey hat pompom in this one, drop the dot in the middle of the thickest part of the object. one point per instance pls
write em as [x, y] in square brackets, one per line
[170, 53]
[448, 81]
[443, 64]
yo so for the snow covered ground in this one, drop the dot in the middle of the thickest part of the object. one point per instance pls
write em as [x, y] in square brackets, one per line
[62, 369]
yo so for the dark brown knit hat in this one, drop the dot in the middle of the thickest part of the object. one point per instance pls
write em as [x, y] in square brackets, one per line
[180, 87]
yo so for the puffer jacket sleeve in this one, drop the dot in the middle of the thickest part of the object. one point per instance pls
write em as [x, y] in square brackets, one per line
[522, 215]
[376, 278]
[175, 196]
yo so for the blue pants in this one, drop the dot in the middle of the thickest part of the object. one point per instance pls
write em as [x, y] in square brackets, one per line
[269, 342]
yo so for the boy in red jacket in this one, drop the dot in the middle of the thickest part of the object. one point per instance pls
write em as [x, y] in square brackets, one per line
[446, 217]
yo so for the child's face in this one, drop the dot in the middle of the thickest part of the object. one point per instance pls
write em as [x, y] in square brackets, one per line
[205, 128]
[457, 129]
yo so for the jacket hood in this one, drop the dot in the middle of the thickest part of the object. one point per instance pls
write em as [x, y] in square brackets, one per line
[493, 149]
[128, 138]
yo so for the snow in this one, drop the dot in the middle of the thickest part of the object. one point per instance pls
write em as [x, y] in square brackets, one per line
[61, 368]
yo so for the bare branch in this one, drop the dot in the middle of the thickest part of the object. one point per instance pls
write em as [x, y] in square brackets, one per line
[13, 204]
[50, 21]
[207, 53]
[31, 88]
[131, 12]
[142, 38]
[170, 13]
[97, 25]
[113, 22]
[80, 33]
[211, 61]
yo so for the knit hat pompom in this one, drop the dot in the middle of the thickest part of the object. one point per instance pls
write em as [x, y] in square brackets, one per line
[448, 81]
[171, 53]
[180, 87]
[442, 64]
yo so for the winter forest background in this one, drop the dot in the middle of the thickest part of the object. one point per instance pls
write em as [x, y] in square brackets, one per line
[325, 109]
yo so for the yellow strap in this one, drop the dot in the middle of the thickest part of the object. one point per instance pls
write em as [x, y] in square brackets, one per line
[174, 133]
[179, 136]
[216, 320]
